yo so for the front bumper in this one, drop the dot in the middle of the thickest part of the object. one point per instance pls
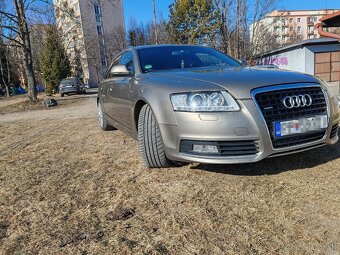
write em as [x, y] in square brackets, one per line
[246, 125]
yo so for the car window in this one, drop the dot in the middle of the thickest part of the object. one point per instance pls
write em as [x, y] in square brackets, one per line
[209, 60]
[181, 57]
[127, 60]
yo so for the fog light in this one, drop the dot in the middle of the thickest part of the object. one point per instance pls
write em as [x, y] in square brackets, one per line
[202, 148]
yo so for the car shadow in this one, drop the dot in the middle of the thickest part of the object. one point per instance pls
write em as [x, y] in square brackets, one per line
[272, 166]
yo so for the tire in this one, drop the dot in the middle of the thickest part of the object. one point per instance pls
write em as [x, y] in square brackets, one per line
[61, 95]
[150, 141]
[102, 119]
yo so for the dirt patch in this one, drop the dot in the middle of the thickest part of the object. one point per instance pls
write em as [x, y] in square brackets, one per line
[66, 187]
[22, 104]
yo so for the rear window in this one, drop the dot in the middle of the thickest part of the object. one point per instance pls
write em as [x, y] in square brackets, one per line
[181, 57]
[68, 81]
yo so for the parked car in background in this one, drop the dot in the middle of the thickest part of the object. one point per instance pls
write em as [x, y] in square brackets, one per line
[71, 86]
[195, 104]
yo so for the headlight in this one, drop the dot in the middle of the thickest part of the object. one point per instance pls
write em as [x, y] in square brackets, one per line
[217, 101]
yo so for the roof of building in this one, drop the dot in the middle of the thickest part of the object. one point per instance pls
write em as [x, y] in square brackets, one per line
[302, 45]
[331, 20]
[279, 13]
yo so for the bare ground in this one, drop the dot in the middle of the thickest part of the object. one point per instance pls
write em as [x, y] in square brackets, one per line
[68, 188]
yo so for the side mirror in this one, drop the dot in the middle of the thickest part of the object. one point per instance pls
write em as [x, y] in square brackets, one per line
[243, 62]
[120, 70]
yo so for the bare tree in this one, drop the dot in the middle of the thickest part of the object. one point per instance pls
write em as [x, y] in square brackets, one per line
[262, 36]
[5, 70]
[15, 29]
[155, 24]
[116, 42]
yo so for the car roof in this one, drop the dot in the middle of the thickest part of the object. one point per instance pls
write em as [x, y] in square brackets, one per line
[164, 45]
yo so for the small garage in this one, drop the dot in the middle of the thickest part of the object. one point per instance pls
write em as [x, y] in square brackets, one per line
[320, 57]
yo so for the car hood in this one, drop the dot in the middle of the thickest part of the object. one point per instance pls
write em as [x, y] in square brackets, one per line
[237, 81]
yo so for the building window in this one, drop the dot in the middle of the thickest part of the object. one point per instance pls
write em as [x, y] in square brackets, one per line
[291, 29]
[99, 30]
[97, 9]
[283, 29]
[103, 60]
[97, 12]
[315, 19]
[298, 20]
[291, 20]
[299, 29]
[98, 18]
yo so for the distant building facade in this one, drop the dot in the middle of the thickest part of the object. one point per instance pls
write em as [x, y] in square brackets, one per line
[91, 31]
[289, 26]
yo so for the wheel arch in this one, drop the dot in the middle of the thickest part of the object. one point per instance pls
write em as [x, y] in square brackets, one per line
[138, 107]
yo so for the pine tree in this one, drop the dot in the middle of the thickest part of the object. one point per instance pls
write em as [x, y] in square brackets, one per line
[55, 64]
[193, 21]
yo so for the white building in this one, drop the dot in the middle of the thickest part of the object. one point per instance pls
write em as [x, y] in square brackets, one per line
[289, 26]
[93, 31]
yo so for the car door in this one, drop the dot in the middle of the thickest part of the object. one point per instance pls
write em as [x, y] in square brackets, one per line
[120, 105]
[104, 88]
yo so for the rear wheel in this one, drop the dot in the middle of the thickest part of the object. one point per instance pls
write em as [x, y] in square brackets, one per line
[150, 140]
[102, 119]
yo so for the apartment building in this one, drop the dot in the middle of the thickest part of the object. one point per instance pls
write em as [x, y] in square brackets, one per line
[288, 27]
[92, 31]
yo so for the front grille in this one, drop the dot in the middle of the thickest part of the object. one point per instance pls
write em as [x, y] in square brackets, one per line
[334, 132]
[225, 148]
[273, 109]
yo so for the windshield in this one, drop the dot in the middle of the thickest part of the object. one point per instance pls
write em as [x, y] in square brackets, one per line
[181, 57]
[68, 81]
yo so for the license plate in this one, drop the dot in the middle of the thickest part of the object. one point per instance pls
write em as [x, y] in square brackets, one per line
[300, 126]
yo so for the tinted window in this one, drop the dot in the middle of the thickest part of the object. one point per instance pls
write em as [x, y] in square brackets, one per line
[70, 81]
[127, 60]
[180, 57]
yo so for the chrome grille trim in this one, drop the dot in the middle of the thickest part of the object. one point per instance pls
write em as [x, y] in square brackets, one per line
[279, 91]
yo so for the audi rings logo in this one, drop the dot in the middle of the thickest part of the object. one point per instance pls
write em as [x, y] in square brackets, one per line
[291, 102]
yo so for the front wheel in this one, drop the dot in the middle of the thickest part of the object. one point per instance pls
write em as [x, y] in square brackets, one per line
[102, 119]
[150, 141]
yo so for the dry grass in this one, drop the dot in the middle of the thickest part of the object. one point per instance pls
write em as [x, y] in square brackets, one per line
[21, 103]
[69, 188]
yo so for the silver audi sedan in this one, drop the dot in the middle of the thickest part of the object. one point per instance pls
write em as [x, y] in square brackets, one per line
[195, 104]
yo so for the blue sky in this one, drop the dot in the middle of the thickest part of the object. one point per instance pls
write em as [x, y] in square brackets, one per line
[141, 10]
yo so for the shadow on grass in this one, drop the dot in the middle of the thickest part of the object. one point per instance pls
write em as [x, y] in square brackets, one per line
[272, 166]
[75, 97]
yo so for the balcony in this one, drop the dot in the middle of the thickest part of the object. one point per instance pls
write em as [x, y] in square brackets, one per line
[310, 22]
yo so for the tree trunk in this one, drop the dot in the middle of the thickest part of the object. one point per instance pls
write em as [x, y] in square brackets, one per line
[3, 75]
[155, 26]
[27, 50]
[8, 72]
